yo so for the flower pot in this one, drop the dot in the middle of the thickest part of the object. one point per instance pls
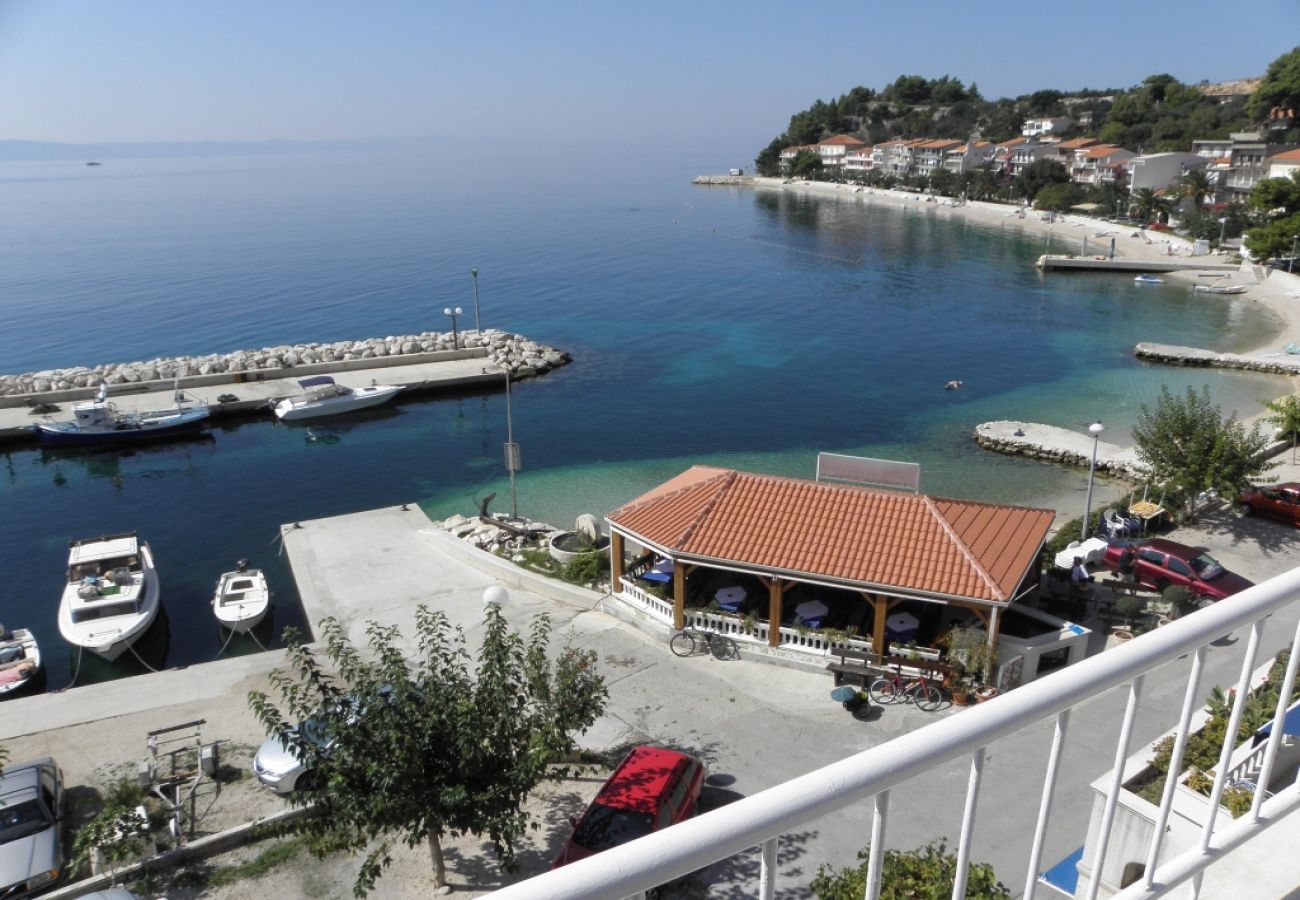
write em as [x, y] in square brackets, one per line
[961, 698]
[1121, 635]
[984, 694]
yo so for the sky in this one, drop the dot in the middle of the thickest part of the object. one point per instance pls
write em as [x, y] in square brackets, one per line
[725, 77]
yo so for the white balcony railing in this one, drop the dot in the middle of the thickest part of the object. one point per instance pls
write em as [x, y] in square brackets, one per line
[760, 820]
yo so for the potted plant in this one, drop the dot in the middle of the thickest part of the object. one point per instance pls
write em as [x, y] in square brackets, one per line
[961, 690]
[1128, 606]
[985, 692]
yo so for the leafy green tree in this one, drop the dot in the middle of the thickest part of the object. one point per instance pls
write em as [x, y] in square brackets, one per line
[1278, 200]
[926, 873]
[768, 161]
[419, 750]
[1280, 87]
[1286, 418]
[1190, 447]
[1150, 206]
[1195, 186]
[1038, 175]
[1045, 103]
[806, 165]
[1058, 196]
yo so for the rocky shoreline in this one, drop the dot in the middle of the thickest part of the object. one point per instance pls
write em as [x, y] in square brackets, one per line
[508, 351]
[1276, 364]
[1058, 445]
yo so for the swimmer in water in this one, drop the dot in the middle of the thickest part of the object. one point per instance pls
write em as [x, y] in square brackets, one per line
[952, 385]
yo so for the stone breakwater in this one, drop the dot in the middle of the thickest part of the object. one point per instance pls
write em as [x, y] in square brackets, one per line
[1280, 363]
[1058, 445]
[507, 351]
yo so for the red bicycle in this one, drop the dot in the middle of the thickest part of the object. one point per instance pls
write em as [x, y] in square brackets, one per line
[896, 688]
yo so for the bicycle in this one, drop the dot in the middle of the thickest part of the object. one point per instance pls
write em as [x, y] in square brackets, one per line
[691, 640]
[894, 687]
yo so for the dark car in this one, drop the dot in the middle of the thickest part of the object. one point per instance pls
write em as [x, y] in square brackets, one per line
[651, 789]
[1281, 501]
[1158, 563]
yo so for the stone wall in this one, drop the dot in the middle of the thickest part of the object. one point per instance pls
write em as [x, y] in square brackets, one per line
[1280, 364]
[505, 350]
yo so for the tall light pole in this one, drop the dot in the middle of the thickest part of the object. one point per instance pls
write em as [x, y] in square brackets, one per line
[1223, 225]
[513, 461]
[1291, 264]
[477, 327]
[452, 314]
[1095, 429]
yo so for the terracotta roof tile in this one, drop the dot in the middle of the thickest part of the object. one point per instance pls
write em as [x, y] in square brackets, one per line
[880, 539]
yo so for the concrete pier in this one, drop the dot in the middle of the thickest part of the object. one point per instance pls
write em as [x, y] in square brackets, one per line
[1058, 445]
[723, 179]
[424, 373]
[1171, 264]
[1279, 363]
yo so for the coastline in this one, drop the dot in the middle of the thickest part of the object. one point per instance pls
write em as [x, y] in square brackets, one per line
[1278, 292]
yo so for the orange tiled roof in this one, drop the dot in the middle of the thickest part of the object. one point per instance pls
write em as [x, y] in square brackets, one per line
[878, 539]
[1076, 143]
[1288, 156]
[844, 140]
[1101, 150]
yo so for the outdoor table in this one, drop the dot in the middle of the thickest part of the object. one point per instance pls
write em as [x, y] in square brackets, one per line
[730, 598]
[661, 572]
[1146, 511]
[901, 627]
[811, 613]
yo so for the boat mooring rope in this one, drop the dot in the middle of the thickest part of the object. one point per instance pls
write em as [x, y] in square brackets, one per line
[77, 669]
[138, 659]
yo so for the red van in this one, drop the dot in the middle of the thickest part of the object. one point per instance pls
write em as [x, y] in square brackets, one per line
[651, 789]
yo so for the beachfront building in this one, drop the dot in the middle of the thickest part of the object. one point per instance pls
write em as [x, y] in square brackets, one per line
[1100, 164]
[858, 161]
[930, 155]
[789, 154]
[1020, 153]
[1052, 125]
[969, 156]
[1161, 170]
[893, 158]
[833, 150]
[1065, 149]
[1236, 164]
[794, 569]
[1284, 165]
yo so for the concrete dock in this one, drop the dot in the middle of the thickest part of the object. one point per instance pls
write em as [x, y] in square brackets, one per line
[1093, 264]
[255, 391]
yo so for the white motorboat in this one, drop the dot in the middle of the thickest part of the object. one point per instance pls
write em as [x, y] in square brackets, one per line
[20, 659]
[322, 396]
[1220, 288]
[100, 422]
[242, 598]
[111, 596]
[1149, 279]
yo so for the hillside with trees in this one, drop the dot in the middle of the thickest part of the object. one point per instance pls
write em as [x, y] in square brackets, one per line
[1160, 114]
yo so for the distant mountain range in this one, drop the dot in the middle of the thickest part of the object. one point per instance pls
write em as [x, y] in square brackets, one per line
[49, 150]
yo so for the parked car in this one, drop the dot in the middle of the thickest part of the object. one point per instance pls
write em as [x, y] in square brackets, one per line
[1159, 563]
[277, 764]
[651, 789]
[31, 827]
[1281, 501]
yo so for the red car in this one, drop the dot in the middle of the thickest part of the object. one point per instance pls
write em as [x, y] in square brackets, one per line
[1281, 501]
[1158, 563]
[651, 789]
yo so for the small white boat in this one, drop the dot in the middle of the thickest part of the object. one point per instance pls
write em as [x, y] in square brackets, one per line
[1220, 288]
[242, 598]
[111, 596]
[1149, 279]
[322, 396]
[100, 422]
[20, 659]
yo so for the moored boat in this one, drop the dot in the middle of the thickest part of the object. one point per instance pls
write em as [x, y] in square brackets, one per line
[111, 595]
[100, 422]
[20, 659]
[323, 396]
[1220, 288]
[1149, 279]
[241, 598]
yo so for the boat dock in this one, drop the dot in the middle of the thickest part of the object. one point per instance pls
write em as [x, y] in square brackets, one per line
[1050, 261]
[254, 391]
[1058, 445]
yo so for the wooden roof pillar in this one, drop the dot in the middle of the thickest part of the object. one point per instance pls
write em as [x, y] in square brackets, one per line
[679, 595]
[616, 561]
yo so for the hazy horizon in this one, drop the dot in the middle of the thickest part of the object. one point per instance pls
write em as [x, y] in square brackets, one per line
[716, 81]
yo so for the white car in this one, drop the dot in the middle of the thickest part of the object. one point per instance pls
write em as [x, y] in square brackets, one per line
[278, 766]
[31, 827]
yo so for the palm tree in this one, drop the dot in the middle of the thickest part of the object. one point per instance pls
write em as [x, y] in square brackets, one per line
[1195, 185]
[1149, 205]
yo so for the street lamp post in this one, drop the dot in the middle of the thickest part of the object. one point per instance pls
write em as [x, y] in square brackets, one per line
[1095, 429]
[452, 314]
[1117, 205]
[477, 327]
[1291, 263]
[1223, 225]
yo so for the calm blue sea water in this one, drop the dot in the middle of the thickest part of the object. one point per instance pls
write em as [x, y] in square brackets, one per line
[721, 325]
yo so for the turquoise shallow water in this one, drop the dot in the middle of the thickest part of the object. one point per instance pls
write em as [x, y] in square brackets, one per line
[729, 326]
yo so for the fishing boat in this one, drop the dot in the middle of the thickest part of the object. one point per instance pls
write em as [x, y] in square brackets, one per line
[1149, 279]
[20, 659]
[323, 396]
[100, 422]
[242, 598]
[1220, 288]
[111, 596]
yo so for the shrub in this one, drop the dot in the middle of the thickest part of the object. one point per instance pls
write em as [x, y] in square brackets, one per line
[926, 873]
[585, 568]
[1129, 606]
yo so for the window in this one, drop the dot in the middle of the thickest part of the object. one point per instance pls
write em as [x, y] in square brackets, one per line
[604, 827]
[1178, 567]
[1155, 557]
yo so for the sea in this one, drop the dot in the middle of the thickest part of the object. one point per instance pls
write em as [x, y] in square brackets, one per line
[741, 327]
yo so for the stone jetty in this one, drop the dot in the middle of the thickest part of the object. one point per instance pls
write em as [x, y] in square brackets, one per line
[1059, 445]
[504, 350]
[723, 179]
[1279, 363]
[1102, 264]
